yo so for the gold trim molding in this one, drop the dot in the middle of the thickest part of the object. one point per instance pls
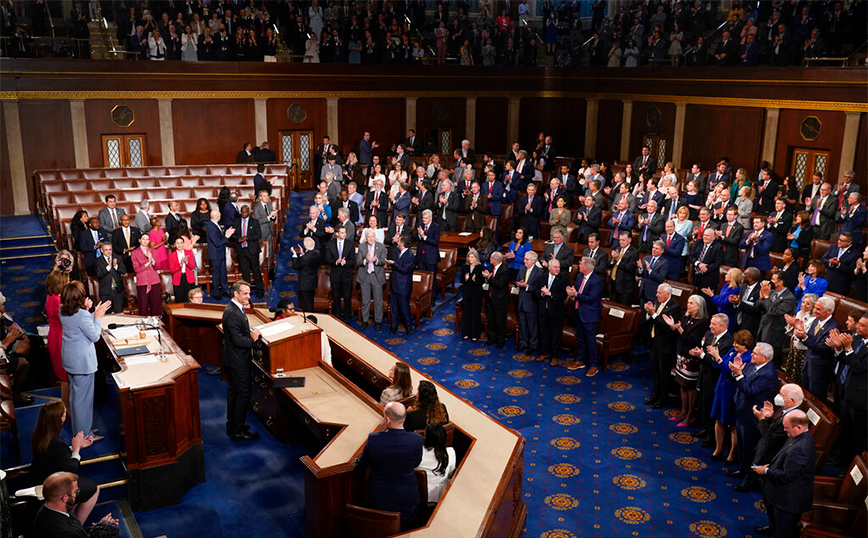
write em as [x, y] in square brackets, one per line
[673, 99]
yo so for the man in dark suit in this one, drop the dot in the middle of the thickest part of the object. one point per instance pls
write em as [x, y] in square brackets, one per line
[403, 158]
[54, 518]
[718, 176]
[623, 278]
[217, 240]
[246, 154]
[529, 281]
[315, 228]
[467, 153]
[746, 303]
[558, 250]
[845, 188]
[89, 244]
[530, 210]
[173, 219]
[475, 208]
[377, 202]
[393, 456]
[265, 155]
[756, 383]
[498, 301]
[551, 312]
[779, 224]
[812, 189]
[513, 153]
[525, 171]
[428, 242]
[699, 177]
[322, 156]
[775, 301]
[652, 195]
[767, 192]
[548, 152]
[673, 247]
[493, 191]
[397, 229]
[730, 234]
[423, 198]
[413, 144]
[596, 252]
[246, 238]
[230, 211]
[511, 179]
[672, 203]
[237, 360]
[447, 207]
[652, 270]
[588, 217]
[587, 312]
[706, 258]
[726, 52]
[719, 337]
[756, 245]
[125, 240]
[824, 209]
[402, 285]
[662, 342]
[402, 203]
[650, 225]
[852, 218]
[306, 261]
[341, 259]
[645, 163]
[788, 490]
[109, 270]
[569, 182]
[622, 220]
[851, 351]
[819, 366]
[840, 261]
[345, 202]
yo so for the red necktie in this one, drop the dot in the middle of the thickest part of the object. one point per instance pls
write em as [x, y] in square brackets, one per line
[376, 203]
[668, 239]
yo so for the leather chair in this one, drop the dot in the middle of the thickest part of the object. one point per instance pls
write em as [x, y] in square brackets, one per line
[421, 297]
[845, 306]
[839, 504]
[322, 299]
[362, 522]
[446, 269]
[615, 333]
[9, 422]
[130, 291]
[681, 292]
[819, 247]
[101, 185]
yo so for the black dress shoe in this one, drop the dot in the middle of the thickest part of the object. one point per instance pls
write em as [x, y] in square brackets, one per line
[393, 330]
[765, 530]
[519, 349]
[735, 473]
[658, 405]
[650, 401]
[702, 433]
[708, 443]
[245, 436]
[24, 400]
[490, 342]
[378, 327]
[743, 488]
[409, 331]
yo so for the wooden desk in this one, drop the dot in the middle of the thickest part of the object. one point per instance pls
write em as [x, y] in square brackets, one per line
[158, 414]
[485, 496]
[457, 240]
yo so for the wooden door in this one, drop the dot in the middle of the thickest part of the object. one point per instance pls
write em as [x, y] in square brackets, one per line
[121, 151]
[296, 149]
[805, 162]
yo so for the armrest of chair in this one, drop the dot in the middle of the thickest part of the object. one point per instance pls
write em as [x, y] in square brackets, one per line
[833, 514]
[826, 488]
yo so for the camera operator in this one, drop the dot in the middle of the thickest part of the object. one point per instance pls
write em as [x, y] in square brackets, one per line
[14, 349]
[65, 261]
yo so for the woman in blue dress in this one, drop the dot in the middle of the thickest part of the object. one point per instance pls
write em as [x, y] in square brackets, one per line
[812, 282]
[515, 254]
[723, 407]
[551, 37]
[731, 286]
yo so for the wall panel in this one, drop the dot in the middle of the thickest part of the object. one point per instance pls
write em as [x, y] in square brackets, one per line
[860, 166]
[562, 118]
[831, 138]
[491, 125]
[643, 122]
[278, 120]
[383, 118]
[146, 121]
[6, 205]
[441, 113]
[609, 116]
[211, 131]
[46, 135]
[711, 132]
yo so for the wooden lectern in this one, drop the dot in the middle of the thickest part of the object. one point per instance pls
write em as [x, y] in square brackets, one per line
[287, 344]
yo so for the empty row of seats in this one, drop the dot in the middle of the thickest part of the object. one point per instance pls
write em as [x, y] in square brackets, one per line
[158, 171]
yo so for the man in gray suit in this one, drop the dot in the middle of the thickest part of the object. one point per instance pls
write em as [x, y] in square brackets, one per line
[143, 217]
[371, 277]
[264, 212]
[775, 300]
[110, 216]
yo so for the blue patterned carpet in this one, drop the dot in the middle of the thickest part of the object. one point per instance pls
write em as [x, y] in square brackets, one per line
[598, 463]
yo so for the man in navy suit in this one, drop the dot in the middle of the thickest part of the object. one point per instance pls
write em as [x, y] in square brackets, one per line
[622, 221]
[428, 237]
[840, 261]
[851, 350]
[818, 368]
[661, 342]
[341, 259]
[645, 163]
[853, 218]
[551, 312]
[779, 224]
[525, 171]
[673, 247]
[588, 218]
[650, 226]
[720, 176]
[493, 190]
[393, 456]
[653, 270]
[746, 303]
[90, 242]
[315, 228]
[529, 281]
[652, 194]
[230, 211]
[217, 240]
[530, 211]
[756, 383]
[54, 518]
[498, 302]
[237, 360]
[401, 206]
[706, 258]
[510, 182]
[756, 245]
[587, 313]
[788, 490]
[402, 285]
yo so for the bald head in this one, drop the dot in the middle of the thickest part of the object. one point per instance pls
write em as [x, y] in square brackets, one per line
[395, 412]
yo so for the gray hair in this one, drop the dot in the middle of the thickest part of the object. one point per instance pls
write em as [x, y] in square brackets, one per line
[344, 212]
[588, 263]
[764, 349]
[144, 204]
[531, 255]
[309, 243]
[427, 213]
[496, 257]
[793, 391]
[660, 244]
[810, 297]
[665, 288]
[723, 319]
[827, 302]
[233, 197]
[702, 312]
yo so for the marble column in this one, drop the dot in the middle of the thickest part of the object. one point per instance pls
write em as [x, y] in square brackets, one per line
[678, 141]
[512, 120]
[167, 131]
[332, 120]
[848, 145]
[410, 115]
[260, 114]
[770, 134]
[79, 133]
[591, 114]
[626, 121]
[15, 151]
[470, 121]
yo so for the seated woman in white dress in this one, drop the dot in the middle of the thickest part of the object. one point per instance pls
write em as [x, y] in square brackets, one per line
[438, 461]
